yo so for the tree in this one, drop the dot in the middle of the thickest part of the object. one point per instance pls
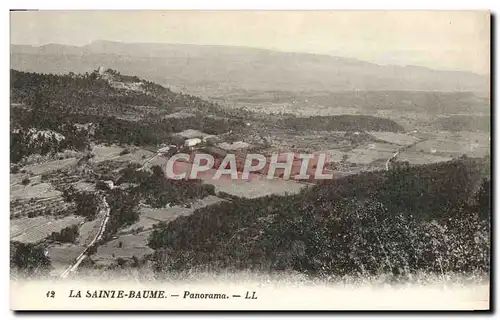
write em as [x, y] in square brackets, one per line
[29, 258]
[483, 199]
[68, 234]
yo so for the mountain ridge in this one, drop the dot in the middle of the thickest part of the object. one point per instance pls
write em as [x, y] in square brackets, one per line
[231, 67]
[337, 57]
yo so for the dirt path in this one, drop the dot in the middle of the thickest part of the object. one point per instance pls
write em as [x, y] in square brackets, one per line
[388, 162]
[105, 208]
[403, 148]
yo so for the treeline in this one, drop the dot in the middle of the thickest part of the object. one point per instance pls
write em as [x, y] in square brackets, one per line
[124, 210]
[69, 234]
[29, 259]
[151, 188]
[463, 123]
[425, 191]
[428, 102]
[350, 227]
[340, 123]
[156, 190]
[87, 203]
[88, 93]
[25, 141]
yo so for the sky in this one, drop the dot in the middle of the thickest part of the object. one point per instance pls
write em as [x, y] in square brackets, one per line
[447, 40]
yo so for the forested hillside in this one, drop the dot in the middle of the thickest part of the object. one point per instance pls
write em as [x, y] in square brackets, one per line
[432, 218]
[108, 107]
[341, 123]
[65, 103]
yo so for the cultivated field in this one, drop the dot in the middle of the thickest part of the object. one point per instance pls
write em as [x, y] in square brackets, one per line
[41, 168]
[40, 190]
[257, 188]
[102, 153]
[367, 156]
[152, 216]
[53, 206]
[136, 156]
[62, 255]
[418, 158]
[455, 144]
[395, 138]
[88, 230]
[125, 247]
[32, 230]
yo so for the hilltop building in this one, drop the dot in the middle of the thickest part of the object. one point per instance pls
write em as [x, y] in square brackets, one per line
[192, 142]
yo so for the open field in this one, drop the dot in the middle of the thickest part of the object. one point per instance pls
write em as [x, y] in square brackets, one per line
[367, 156]
[125, 247]
[178, 115]
[334, 155]
[310, 141]
[144, 223]
[32, 230]
[152, 216]
[257, 188]
[62, 255]
[84, 186]
[88, 230]
[417, 158]
[455, 144]
[41, 190]
[136, 156]
[103, 153]
[40, 206]
[41, 168]
[396, 138]
[192, 133]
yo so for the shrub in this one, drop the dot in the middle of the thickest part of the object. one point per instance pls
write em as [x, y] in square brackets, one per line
[68, 234]
[29, 258]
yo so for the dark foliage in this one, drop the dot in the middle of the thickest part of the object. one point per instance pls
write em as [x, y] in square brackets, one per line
[58, 102]
[123, 210]
[398, 222]
[87, 203]
[29, 258]
[68, 234]
[463, 123]
[341, 123]
[124, 152]
[158, 191]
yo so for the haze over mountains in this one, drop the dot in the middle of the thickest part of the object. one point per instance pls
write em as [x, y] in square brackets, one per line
[225, 68]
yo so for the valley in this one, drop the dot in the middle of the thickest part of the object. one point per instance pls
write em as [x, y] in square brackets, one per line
[89, 191]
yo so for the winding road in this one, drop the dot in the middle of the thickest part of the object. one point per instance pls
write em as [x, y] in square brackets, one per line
[403, 148]
[106, 210]
[388, 162]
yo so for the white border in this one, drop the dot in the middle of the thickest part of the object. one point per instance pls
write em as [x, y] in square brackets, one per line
[259, 5]
[188, 4]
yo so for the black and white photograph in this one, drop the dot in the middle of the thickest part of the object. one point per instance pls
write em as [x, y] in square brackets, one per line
[250, 160]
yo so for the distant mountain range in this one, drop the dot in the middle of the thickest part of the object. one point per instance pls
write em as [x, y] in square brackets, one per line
[224, 68]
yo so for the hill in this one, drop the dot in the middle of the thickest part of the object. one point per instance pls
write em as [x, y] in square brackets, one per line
[222, 69]
[463, 123]
[432, 218]
[341, 123]
[129, 110]
[103, 107]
